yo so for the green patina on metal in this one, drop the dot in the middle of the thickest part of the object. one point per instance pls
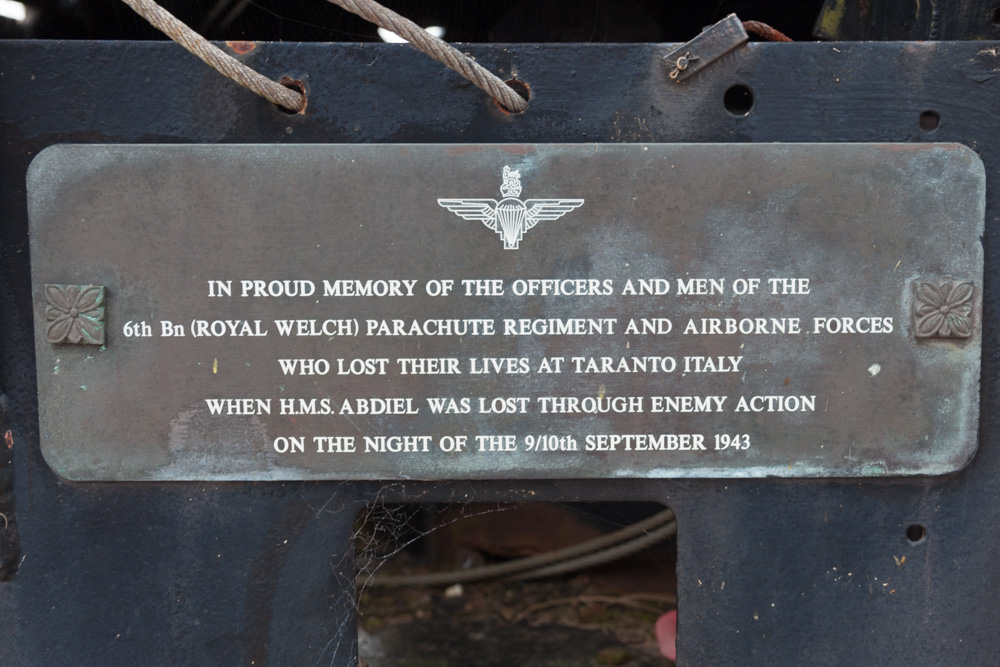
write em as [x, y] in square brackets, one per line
[511, 311]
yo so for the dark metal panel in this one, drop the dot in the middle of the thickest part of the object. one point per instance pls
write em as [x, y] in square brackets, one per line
[123, 574]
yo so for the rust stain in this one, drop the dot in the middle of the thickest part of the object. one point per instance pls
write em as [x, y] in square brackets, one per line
[866, 9]
[9, 439]
[765, 31]
[241, 48]
[462, 150]
[298, 86]
[502, 110]
[912, 148]
[518, 149]
[521, 88]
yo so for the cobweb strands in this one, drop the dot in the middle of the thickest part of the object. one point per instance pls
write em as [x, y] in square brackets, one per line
[599, 550]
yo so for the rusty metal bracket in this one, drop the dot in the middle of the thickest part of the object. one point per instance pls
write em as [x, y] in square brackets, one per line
[716, 41]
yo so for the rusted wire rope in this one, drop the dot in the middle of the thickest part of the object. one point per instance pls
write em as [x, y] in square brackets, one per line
[437, 49]
[765, 31]
[215, 57]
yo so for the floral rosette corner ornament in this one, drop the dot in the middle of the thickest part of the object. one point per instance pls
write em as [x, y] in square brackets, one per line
[943, 308]
[75, 314]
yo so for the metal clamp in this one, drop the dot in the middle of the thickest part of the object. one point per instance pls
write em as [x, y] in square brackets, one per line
[716, 41]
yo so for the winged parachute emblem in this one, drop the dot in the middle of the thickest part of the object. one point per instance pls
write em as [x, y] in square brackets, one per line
[510, 217]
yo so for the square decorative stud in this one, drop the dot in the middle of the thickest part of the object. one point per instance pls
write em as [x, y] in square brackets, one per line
[75, 314]
[942, 308]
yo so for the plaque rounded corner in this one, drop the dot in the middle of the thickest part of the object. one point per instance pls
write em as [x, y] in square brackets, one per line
[970, 153]
[54, 464]
[965, 458]
[39, 163]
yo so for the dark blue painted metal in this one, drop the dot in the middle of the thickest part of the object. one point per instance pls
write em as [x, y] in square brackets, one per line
[219, 574]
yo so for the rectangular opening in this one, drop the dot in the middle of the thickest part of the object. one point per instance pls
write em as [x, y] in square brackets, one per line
[483, 585]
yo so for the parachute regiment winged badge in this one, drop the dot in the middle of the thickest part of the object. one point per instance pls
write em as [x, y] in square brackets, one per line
[511, 217]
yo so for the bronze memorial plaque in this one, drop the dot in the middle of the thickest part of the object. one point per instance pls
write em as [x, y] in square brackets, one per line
[268, 312]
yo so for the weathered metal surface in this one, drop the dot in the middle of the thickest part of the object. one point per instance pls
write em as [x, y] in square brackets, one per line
[714, 42]
[648, 310]
[770, 571]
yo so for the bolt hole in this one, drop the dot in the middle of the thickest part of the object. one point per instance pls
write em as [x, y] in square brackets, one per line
[738, 100]
[521, 88]
[929, 121]
[297, 86]
[916, 533]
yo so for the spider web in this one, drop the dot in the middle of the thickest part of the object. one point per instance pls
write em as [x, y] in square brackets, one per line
[386, 532]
